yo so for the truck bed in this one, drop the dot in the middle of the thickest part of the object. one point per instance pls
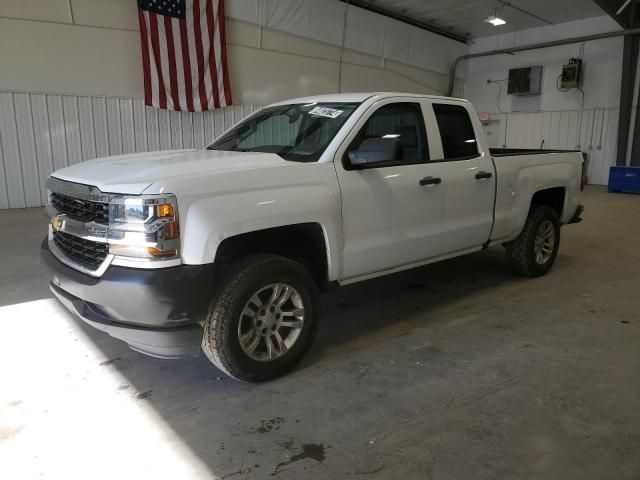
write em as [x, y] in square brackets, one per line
[504, 152]
[520, 173]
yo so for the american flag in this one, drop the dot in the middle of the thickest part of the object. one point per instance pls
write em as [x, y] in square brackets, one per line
[184, 54]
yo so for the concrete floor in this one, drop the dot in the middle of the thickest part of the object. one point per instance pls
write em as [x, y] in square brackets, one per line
[459, 370]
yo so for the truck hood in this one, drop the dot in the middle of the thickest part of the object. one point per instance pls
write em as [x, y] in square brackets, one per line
[133, 174]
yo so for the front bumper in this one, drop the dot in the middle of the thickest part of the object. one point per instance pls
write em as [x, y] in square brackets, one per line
[156, 312]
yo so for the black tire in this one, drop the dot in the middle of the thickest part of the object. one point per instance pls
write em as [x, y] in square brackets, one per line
[237, 283]
[521, 251]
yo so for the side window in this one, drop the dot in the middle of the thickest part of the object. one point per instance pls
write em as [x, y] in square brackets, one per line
[456, 131]
[402, 122]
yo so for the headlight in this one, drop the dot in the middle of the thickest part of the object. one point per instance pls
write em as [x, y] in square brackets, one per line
[144, 227]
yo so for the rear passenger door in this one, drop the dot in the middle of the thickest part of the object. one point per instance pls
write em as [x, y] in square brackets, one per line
[468, 180]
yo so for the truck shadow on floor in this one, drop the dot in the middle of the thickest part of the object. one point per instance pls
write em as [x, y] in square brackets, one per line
[230, 425]
[403, 301]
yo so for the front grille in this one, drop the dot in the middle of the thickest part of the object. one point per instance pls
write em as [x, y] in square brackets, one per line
[86, 253]
[81, 210]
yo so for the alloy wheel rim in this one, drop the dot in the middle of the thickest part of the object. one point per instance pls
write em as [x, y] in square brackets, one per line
[544, 242]
[271, 322]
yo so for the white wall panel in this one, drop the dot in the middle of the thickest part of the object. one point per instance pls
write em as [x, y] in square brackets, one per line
[100, 128]
[27, 150]
[198, 128]
[559, 130]
[186, 123]
[126, 126]
[140, 125]
[175, 130]
[57, 131]
[209, 125]
[87, 135]
[41, 133]
[11, 152]
[42, 141]
[164, 130]
[4, 198]
[72, 129]
[114, 127]
[153, 129]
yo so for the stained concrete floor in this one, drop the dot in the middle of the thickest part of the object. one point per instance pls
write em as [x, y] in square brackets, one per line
[458, 370]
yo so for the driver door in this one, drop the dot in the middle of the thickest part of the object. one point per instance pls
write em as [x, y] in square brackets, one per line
[392, 211]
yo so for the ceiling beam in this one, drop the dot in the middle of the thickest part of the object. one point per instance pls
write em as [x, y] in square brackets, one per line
[404, 19]
[626, 17]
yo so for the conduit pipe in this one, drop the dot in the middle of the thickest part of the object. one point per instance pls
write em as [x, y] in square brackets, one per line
[535, 46]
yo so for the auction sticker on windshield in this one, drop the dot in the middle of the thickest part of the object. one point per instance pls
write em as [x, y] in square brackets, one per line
[326, 112]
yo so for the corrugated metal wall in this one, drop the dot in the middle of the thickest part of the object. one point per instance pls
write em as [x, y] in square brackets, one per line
[40, 133]
[595, 134]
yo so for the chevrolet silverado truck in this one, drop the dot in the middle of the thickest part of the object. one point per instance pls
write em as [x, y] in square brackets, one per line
[226, 249]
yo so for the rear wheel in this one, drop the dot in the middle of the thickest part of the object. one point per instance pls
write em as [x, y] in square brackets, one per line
[262, 319]
[533, 253]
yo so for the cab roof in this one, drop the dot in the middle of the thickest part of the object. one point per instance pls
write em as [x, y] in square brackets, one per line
[356, 97]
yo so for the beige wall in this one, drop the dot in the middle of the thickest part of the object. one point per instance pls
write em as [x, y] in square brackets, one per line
[71, 84]
[91, 47]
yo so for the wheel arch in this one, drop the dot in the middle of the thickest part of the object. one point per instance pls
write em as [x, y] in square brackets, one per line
[305, 243]
[554, 197]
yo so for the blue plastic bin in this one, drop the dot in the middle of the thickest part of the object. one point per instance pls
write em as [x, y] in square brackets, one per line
[624, 179]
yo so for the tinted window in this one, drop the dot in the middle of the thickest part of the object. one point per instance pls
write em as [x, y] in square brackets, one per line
[456, 131]
[299, 133]
[401, 121]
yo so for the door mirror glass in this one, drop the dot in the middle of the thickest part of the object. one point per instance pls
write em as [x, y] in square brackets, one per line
[376, 150]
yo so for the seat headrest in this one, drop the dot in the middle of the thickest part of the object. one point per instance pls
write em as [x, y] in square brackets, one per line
[408, 136]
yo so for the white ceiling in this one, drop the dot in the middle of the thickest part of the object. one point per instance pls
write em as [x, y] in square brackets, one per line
[466, 17]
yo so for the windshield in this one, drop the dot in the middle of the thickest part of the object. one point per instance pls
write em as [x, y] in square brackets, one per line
[299, 133]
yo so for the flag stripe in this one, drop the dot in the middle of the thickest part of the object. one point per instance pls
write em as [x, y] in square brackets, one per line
[197, 28]
[215, 34]
[222, 31]
[177, 49]
[155, 91]
[145, 57]
[213, 71]
[206, 48]
[193, 57]
[155, 43]
[186, 65]
[171, 62]
[163, 65]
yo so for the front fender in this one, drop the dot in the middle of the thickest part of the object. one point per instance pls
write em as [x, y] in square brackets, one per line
[209, 221]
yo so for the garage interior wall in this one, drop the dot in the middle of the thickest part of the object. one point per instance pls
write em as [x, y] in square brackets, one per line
[71, 81]
[560, 119]
[71, 77]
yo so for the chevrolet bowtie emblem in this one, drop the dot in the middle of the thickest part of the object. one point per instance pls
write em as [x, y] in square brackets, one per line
[57, 222]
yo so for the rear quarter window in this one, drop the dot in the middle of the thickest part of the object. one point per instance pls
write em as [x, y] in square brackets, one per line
[456, 131]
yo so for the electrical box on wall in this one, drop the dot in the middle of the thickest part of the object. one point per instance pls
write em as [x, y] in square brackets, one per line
[525, 81]
[571, 74]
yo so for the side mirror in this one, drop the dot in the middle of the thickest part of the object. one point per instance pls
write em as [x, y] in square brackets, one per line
[375, 150]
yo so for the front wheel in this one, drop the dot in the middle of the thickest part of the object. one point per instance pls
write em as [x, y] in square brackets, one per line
[262, 320]
[533, 253]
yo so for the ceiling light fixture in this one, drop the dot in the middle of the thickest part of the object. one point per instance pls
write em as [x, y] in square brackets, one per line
[495, 21]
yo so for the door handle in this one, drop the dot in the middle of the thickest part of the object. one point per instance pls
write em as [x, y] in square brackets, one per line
[430, 181]
[481, 175]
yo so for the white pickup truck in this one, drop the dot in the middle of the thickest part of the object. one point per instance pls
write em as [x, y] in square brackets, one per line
[225, 249]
